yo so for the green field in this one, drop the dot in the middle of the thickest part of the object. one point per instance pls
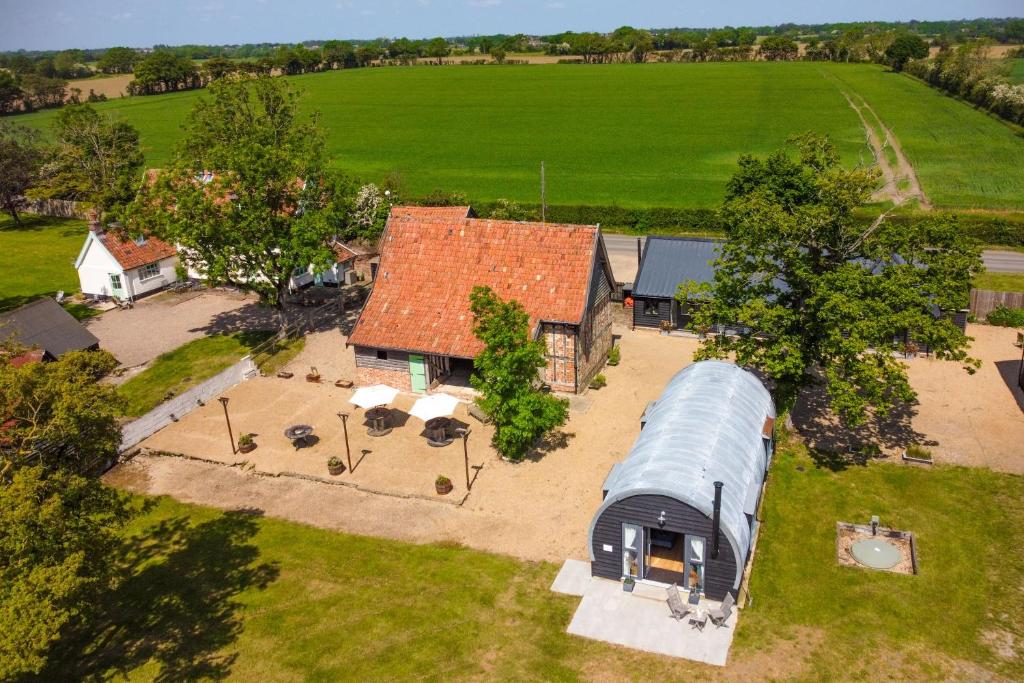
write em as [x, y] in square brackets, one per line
[38, 259]
[1017, 71]
[654, 135]
[211, 594]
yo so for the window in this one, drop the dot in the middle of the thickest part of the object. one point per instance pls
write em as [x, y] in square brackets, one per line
[149, 271]
[650, 307]
[382, 355]
[115, 282]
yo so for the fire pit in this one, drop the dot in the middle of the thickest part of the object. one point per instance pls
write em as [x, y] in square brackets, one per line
[299, 435]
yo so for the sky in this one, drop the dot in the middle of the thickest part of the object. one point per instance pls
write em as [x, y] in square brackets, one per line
[61, 24]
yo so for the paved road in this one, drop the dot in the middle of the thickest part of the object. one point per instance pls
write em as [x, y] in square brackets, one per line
[622, 252]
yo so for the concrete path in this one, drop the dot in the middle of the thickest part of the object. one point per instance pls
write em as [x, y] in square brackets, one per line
[622, 252]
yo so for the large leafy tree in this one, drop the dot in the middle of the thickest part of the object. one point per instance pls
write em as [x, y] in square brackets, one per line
[21, 155]
[505, 374]
[247, 196]
[817, 295]
[903, 48]
[97, 160]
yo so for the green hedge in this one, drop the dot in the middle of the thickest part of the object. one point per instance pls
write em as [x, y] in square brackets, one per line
[989, 228]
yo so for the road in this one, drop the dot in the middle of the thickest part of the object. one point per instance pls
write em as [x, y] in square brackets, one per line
[622, 252]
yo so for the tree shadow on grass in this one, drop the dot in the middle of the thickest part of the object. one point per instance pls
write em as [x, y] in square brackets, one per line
[177, 605]
[836, 446]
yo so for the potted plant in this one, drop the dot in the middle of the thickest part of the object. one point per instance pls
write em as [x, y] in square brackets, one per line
[246, 443]
[598, 382]
[918, 453]
[666, 326]
[614, 354]
[443, 485]
[313, 375]
[335, 466]
[628, 583]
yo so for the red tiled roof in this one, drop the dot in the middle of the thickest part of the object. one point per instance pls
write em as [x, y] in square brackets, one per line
[347, 251]
[420, 299]
[131, 255]
[443, 213]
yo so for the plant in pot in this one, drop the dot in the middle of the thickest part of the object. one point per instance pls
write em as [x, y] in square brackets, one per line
[628, 583]
[614, 355]
[665, 326]
[917, 453]
[313, 375]
[443, 485]
[335, 466]
[598, 382]
[246, 443]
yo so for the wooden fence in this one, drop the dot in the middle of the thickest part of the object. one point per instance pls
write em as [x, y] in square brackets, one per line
[984, 301]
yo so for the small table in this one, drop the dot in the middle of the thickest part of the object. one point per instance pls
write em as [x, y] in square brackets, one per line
[698, 619]
[437, 432]
[378, 419]
[299, 435]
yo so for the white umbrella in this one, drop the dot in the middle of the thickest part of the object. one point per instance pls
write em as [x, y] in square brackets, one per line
[435, 405]
[376, 395]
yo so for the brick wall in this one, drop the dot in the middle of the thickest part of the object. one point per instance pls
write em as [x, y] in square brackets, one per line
[590, 361]
[560, 354]
[393, 378]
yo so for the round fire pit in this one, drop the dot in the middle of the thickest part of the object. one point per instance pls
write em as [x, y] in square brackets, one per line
[875, 553]
[298, 434]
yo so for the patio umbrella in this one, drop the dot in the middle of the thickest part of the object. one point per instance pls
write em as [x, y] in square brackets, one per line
[435, 405]
[376, 395]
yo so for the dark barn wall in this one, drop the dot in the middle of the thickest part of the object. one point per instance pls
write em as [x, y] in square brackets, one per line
[719, 574]
[642, 320]
[366, 357]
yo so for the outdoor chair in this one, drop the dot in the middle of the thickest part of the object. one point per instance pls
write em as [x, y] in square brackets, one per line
[675, 603]
[719, 615]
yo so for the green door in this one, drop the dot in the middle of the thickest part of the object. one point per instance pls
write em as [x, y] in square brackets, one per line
[418, 373]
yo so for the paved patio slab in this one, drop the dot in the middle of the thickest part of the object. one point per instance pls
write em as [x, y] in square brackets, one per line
[573, 578]
[609, 614]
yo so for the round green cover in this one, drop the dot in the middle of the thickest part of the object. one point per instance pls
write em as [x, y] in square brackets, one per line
[875, 553]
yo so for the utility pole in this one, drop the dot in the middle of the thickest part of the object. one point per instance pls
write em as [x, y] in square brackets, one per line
[543, 197]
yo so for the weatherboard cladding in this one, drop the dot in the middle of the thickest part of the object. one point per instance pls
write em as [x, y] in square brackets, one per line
[707, 426]
[420, 300]
[668, 261]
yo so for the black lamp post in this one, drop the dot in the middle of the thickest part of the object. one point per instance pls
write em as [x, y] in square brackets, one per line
[224, 402]
[344, 426]
[464, 432]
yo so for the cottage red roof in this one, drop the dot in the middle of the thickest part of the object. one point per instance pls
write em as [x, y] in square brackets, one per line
[132, 255]
[420, 299]
[443, 213]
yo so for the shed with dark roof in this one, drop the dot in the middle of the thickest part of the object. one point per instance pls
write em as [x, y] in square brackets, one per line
[46, 326]
[666, 263]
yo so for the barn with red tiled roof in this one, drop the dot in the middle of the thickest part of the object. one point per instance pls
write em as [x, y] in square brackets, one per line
[417, 329]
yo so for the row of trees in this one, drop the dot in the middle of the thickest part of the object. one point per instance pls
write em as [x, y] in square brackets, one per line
[967, 72]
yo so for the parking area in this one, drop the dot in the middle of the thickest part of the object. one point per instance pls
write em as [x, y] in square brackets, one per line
[165, 321]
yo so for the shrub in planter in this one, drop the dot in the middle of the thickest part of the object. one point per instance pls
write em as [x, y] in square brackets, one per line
[918, 452]
[614, 354]
[665, 326]
[598, 382]
[628, 583]
[335, 466]
[443, 485]
[246, 443]
[313, 375]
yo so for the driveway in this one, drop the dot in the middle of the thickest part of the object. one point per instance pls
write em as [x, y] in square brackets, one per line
[165, 321]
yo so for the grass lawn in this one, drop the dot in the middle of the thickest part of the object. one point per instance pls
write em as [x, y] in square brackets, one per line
[37, 259]
[635, 135]
[184, 367]
[212, 594]
[1000, 282]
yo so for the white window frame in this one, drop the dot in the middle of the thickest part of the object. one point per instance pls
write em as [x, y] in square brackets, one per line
[152, 268]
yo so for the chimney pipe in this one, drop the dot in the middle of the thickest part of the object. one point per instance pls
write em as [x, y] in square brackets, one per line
[638, 253]
[716, 520]
[94, 222]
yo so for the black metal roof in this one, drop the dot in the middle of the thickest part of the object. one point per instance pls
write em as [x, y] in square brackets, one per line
[669, 261]
[44, 324]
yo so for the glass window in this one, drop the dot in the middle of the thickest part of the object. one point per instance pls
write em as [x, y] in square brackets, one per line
[149, 271]
[650, 308]
[382, 355]
[695, 562]
[632, 542]
[115, 282]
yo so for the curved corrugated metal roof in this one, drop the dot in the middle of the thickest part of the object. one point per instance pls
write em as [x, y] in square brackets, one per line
[707, 426]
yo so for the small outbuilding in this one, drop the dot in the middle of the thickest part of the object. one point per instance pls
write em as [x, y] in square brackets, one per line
[113, 265]
[46, 327]
[680, 509]
[666, 263]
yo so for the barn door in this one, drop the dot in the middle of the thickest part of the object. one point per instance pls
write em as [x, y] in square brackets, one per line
[418, 373]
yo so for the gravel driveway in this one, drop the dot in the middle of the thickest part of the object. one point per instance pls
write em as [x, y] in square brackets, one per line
[163, 322]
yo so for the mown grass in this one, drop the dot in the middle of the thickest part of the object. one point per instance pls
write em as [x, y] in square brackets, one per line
[652, 135]
[186, 366]
[38, 259]
[213, 594]
[1017, 71]
[1000, 282]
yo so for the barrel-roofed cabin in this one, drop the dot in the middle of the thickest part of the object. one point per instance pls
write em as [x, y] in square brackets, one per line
[681, 507]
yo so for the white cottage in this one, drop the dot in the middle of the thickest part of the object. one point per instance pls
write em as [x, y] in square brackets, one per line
[109, 266]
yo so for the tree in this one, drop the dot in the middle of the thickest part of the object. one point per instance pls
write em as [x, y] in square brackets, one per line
[505, 373]
[247, 196]
[438, 48]
[508, 210]
[904, 47]
[10, 93]
[779, 48]
[164, 71]
[218, 67]
[41, 92]
[498, 54]
[97, 160]
[118, 60]
[813, 293]
[21, 155]
[369, 214]
[338, 54]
